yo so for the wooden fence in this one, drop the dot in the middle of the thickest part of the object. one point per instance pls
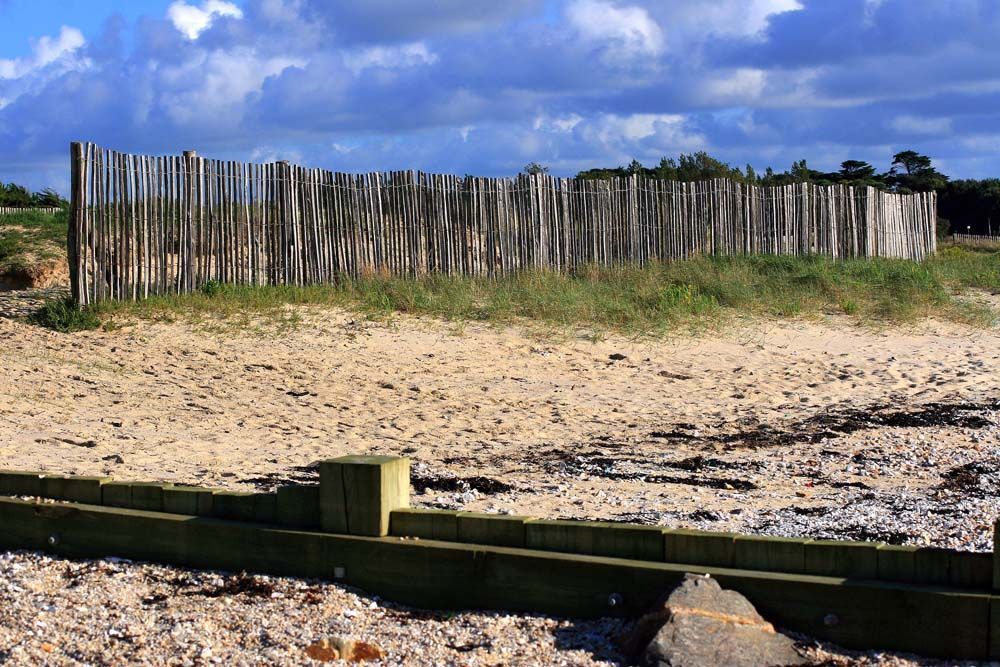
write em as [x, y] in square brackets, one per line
[146, 225]
[11, 210]
[975, 238]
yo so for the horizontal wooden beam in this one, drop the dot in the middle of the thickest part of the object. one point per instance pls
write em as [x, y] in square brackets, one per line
[927, 620]
[377, 506]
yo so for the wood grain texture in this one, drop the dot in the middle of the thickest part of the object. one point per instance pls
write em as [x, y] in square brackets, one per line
[359, 493]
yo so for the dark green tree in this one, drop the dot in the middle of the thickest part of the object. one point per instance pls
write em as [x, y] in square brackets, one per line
[13, 194]
[913, 172]
[911, 162]
[48, 198]
[971, 205]
[856, 170]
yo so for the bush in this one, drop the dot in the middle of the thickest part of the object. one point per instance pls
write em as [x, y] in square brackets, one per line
[211, 288]
[65, 316]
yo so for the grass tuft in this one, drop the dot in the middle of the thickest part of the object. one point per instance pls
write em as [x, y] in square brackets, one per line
[64, 316]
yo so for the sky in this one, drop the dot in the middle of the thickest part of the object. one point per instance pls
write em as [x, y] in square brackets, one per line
[484, 87]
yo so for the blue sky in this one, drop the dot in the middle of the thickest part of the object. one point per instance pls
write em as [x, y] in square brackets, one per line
[484, 87]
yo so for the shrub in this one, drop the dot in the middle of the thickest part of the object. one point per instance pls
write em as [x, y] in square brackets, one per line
[211, 288]
[65, 316]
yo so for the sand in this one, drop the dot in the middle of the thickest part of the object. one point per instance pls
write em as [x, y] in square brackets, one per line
[812, 428]
[575, 427]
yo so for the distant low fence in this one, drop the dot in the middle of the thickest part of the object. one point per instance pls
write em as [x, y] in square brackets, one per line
[976, 238]
[147, 225]
[11, 210]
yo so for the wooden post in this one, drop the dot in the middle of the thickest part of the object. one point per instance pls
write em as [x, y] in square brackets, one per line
[358, 493]
[190, 192]
[996, 556]
[76, 214]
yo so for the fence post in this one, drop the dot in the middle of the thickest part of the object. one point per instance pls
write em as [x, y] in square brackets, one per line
[190, 194]
[76, 213]
[358, 493]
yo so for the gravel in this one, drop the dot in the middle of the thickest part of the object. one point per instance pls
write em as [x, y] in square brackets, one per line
[55, 611]
[103, 612]
[899, 486]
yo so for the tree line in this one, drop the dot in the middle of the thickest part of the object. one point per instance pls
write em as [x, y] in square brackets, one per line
[964, 205]
[12, 194]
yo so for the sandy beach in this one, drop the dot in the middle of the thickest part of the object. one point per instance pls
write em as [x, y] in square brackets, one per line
[756, 428]
[815, 428]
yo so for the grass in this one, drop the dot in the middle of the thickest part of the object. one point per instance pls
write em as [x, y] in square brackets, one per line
[651, 300]
[964, 267]
[31, 236]
[63, 315]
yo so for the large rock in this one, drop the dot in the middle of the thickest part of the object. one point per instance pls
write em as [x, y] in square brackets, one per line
[702, 625]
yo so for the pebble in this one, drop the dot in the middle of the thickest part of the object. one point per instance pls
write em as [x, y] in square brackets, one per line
[154, 614]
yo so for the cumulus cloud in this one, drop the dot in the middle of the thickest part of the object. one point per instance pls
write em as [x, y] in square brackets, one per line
[224, 80]
[46, 51]
[193, 20]
[652, 133]
[564, 123]
[627, 31]
[389, 57]
[690, 23]
[477, 86]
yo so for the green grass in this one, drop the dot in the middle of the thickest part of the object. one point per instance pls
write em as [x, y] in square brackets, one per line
[651, 300]
[63, 315]
[964, 267]
[31, 236]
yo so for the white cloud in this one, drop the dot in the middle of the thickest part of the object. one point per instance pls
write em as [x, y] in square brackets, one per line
[757, 14]
[560, 124]
[921, 125]
[192, 21]
[273, 154]
[738, 86]
[224, 81]
[687, 22]
[642, 134]
[627, 31]
[413, 54]
[571, 143]
[871, 8]
[46, 51]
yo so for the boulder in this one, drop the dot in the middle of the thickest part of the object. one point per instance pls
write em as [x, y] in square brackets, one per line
[701, 625]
